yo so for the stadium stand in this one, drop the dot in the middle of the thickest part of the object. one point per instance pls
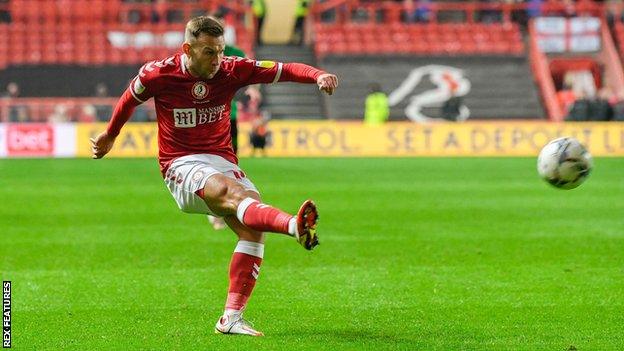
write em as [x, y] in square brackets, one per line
[291, 100]
[492, 41]
[498, 65]
[424, 39]
[377, 42]
[98, 32]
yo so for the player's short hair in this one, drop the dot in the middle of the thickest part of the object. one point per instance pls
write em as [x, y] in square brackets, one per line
[202, 24]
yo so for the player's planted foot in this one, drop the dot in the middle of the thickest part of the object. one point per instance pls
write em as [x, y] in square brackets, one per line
[235, 324]
[306, 225]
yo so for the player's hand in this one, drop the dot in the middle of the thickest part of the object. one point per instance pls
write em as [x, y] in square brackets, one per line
[101, 145]
[327, 82]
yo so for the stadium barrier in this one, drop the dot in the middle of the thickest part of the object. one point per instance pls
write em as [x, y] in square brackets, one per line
[331, 139]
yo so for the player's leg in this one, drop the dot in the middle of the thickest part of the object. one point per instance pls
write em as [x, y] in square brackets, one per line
[224, 196]
[244, 271]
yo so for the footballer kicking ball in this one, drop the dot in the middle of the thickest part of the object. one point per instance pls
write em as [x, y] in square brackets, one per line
[564, 163]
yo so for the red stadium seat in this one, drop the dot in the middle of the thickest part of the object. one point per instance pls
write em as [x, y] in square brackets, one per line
[432, 38]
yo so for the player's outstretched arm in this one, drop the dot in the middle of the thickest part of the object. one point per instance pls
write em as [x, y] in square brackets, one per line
[101, 144]
[302, 73]
[327, 83]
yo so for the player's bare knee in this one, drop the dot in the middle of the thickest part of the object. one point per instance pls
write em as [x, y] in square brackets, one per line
[215, 189]
[223, 195]
[236, 194]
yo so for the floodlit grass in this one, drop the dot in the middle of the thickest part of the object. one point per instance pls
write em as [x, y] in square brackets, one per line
[431, 254]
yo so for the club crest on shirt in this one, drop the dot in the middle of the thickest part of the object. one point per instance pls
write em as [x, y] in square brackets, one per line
[199, 90]
[198, 176]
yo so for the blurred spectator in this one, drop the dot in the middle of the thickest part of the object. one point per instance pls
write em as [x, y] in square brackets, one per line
[377, 110]
[259, 133]
[259, 10]
[171, 13]
[5, 14]
[17, 113]
[12, 90]
[618, 108]
[599, 107]
[452, 109]
[489, 15]
[614, 12]
[301, 12]
[101, 90]
[159, 11]
[580, 109]
[359, 15]
[249, 105]
[417, 11]
[329, 15]
[87, 114]
[59, 115]
[102, 111]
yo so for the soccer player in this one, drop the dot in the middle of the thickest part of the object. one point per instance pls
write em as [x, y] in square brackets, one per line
[192, 93]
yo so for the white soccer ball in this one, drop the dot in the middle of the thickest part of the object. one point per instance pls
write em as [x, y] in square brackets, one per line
[564, 163]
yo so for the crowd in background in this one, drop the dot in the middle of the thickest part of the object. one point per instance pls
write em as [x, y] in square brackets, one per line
[602, 106]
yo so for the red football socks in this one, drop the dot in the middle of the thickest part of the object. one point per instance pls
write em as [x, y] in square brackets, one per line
[244, 270]
[262, 217]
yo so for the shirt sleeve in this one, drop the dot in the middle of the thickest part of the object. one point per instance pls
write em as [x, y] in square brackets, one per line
[141, 88]
[253, 72]
[145, 85]
[123, 110]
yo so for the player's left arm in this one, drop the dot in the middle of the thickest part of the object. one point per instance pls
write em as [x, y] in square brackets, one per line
[271, 72]
[142, 87]
[302, 73]
[103, 142]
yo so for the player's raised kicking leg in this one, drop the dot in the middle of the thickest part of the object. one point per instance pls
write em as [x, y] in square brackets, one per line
[225, 197]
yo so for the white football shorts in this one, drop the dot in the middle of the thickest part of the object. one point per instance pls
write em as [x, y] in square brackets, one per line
[188, 174]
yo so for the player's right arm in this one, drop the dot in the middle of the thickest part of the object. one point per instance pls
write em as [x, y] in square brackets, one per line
[139, 91]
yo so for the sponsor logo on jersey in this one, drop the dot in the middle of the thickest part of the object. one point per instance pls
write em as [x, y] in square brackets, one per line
[138, 87]
[185, 117]
[199, 90]
[265, 64]
[192, 117]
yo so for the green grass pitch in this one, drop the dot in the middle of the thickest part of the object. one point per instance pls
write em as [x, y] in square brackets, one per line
[415, 254]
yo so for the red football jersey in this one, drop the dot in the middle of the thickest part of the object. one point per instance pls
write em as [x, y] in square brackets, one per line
[194, 113]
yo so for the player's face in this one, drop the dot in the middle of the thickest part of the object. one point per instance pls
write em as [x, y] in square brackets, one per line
[206, 55]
